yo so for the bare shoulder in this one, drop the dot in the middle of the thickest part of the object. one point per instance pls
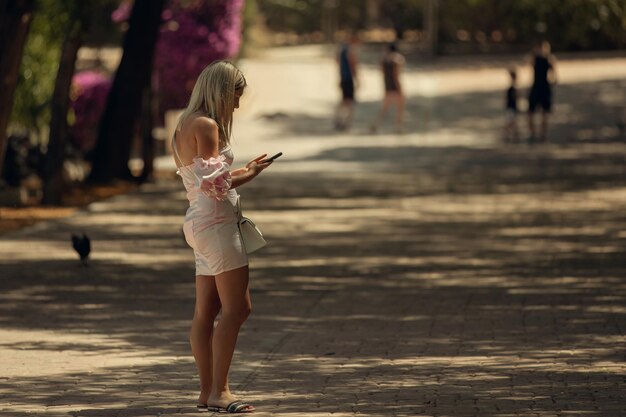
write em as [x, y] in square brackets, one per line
[200, 123]
[204, 128]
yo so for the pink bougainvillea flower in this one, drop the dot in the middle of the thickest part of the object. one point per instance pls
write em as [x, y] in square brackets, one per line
[192, 35]
[88, 99]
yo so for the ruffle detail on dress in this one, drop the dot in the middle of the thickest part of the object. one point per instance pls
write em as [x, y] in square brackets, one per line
[212, 176]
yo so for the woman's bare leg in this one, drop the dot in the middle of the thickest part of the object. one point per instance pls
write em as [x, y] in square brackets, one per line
[207, 308]
[400, 103]
[382, 113]
[349, 113]
[232, 287]
[343, 118]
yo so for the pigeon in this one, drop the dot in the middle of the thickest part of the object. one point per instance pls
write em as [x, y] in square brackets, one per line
[82, 246]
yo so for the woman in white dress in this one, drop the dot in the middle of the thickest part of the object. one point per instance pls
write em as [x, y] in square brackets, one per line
[201, 147]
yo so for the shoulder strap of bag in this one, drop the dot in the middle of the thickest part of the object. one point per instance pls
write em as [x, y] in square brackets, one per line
[238, 212]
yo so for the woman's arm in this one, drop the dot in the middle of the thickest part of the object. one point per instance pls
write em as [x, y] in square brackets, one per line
[241, 179]
[246, 174]
[207, 137]
[238, 171]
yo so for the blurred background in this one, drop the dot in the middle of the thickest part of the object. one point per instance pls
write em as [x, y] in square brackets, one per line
[90, 90]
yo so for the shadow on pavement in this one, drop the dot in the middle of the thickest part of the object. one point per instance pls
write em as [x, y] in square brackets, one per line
[584, 112]
[486, 280]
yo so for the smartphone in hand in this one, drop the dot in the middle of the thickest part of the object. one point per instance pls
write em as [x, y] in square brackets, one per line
[270, 159]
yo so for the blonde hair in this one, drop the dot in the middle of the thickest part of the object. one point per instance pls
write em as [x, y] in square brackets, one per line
[214, 96]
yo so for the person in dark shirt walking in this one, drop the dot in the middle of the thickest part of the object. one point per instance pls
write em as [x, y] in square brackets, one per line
[510, 127]
[348, 80]
[544, 67]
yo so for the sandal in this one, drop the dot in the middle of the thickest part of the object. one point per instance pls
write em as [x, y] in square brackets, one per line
[236, 407]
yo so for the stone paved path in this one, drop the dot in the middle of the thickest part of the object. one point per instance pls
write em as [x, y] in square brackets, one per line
[438, 273]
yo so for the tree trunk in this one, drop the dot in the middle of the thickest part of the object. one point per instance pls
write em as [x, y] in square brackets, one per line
[431, 27]
[15, 18]
[147, 148]
[57, 143]
[123, 107]
[372, 9]
[329, 20]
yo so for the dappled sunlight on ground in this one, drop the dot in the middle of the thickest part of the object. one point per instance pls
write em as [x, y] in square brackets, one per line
[434, 273]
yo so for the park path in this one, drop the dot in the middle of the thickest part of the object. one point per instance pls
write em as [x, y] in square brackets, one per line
[437, 273]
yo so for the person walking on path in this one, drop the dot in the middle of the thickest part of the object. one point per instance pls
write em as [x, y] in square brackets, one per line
[348, 81]
[202, 152]
[392, 64]
[544, 67]
[510, 126]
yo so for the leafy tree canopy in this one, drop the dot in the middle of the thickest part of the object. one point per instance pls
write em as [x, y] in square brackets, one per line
[51, 22]
[568, 24]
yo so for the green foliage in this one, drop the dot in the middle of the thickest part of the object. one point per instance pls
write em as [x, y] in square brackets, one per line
[249, 19]
[567, 24]
[31, 109]
[102, 29]
[402, 15]
[52, 21]
[299, 16]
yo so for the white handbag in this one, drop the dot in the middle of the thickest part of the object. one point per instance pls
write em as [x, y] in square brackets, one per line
[250, 234]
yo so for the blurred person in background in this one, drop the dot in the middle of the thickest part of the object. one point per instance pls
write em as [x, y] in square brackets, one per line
[544, 67]
[510, 126]
[347, 61]
[391, 65]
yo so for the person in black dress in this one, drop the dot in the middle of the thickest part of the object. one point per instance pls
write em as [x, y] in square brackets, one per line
[544, 67]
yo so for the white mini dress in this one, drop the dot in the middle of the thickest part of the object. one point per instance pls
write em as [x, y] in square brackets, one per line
[210, 225]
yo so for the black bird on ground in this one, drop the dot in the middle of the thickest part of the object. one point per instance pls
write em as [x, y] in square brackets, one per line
[82, 246]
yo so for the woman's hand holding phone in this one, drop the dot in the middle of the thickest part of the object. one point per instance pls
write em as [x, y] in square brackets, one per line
[272, 158]
[258, 164]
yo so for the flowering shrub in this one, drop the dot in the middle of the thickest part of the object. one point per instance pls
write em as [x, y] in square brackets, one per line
[88, 98]
[192, 35]
[212, 176]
